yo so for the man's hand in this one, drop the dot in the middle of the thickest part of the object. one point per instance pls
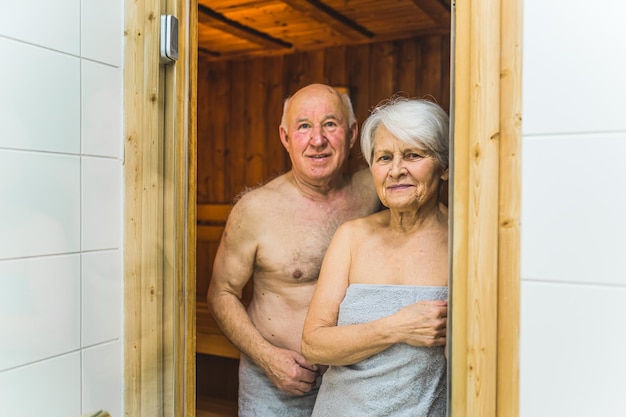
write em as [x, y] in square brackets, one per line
[290, 372]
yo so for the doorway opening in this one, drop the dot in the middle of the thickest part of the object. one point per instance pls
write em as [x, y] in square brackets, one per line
[250, 58]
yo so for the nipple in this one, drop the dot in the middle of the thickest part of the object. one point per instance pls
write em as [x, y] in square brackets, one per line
[297, 274]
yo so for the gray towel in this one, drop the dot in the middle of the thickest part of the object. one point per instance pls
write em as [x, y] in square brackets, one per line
[259, 397]
[401, 381]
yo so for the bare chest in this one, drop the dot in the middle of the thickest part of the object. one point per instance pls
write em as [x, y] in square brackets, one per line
[295, 238]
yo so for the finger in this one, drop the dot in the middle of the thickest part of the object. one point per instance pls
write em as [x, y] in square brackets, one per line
[309, 377]
[302, 388]
[304, 364]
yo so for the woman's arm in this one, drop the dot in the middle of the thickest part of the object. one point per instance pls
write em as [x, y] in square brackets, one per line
[323, 342]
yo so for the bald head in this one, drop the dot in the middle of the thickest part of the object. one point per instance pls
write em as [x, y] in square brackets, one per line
[320, 92]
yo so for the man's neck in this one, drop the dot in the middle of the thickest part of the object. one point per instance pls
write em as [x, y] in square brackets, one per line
[319, 191]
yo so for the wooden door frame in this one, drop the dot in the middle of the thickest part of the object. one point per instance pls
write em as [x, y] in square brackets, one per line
[160, 217]
[486, 184]
[159, 212]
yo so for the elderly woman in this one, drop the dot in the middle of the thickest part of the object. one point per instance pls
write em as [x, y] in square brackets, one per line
[378, 315]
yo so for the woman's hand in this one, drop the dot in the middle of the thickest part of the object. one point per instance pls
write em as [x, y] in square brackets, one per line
[423, 323]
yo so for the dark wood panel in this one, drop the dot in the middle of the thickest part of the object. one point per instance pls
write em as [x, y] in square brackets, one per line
[239, 108]
[238, 143]
[237, 133]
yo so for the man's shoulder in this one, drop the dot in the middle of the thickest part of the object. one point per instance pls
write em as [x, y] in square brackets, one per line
[363, 179]
[363, 184]
[262, 195]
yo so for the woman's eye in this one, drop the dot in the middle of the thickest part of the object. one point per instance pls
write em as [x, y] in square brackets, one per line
[412, 156]
[384, 158]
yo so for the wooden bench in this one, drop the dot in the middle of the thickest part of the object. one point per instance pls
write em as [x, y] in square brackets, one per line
[209, 338]
[211, 219]
[216, 395]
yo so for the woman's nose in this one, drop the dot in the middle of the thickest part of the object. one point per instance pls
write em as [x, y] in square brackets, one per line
[397, 167]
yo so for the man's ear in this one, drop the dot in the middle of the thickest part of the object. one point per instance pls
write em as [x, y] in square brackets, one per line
[354, 131]
[284, 139]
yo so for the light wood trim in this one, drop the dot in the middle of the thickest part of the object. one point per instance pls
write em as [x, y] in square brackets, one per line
[179, 283]
[143, 212]
[485, 220]
[509, 264]
[159, 277]
[190, 46]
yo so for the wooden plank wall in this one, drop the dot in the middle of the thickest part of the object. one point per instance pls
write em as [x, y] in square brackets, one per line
[240, 103]
[239, 109]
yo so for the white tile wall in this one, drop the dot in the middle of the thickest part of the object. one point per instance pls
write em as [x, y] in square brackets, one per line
[39, 309]
[573, 66]
[573, 207]
[51, 24]
[49, 388]
[101, 109]
[101, 31]
[52, 96]
[102, 195]
[40, 206]
[573, 333]
[573, 341]
[102, 378]
[61, 118]
[102, 297]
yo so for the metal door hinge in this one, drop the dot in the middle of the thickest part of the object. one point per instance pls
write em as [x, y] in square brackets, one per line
[169, 38]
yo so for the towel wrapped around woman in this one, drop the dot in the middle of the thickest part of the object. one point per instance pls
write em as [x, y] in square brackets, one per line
[378, 316]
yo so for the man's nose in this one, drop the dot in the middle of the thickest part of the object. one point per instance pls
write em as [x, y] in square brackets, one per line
[317, 136]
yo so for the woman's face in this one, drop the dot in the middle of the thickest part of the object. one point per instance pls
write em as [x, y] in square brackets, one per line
[405, 177]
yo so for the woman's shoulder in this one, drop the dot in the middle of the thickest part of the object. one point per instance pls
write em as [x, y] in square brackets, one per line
[364, 225]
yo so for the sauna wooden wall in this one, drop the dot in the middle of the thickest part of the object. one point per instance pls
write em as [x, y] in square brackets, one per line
[240, 105]
[240, 102]
[239, 109]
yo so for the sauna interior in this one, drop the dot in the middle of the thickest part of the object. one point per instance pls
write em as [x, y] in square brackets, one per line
[252, 54]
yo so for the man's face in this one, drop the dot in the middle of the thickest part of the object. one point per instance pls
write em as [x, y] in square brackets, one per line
[317, 137]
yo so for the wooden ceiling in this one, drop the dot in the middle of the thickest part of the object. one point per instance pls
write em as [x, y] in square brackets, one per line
[230, 29]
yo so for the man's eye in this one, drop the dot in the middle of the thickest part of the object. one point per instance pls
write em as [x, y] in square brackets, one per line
[304, 126]
[330, 126]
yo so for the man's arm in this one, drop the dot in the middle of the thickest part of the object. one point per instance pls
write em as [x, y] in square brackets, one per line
[232, 269]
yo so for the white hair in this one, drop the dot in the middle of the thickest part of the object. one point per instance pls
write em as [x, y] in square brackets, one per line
[416, 122]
